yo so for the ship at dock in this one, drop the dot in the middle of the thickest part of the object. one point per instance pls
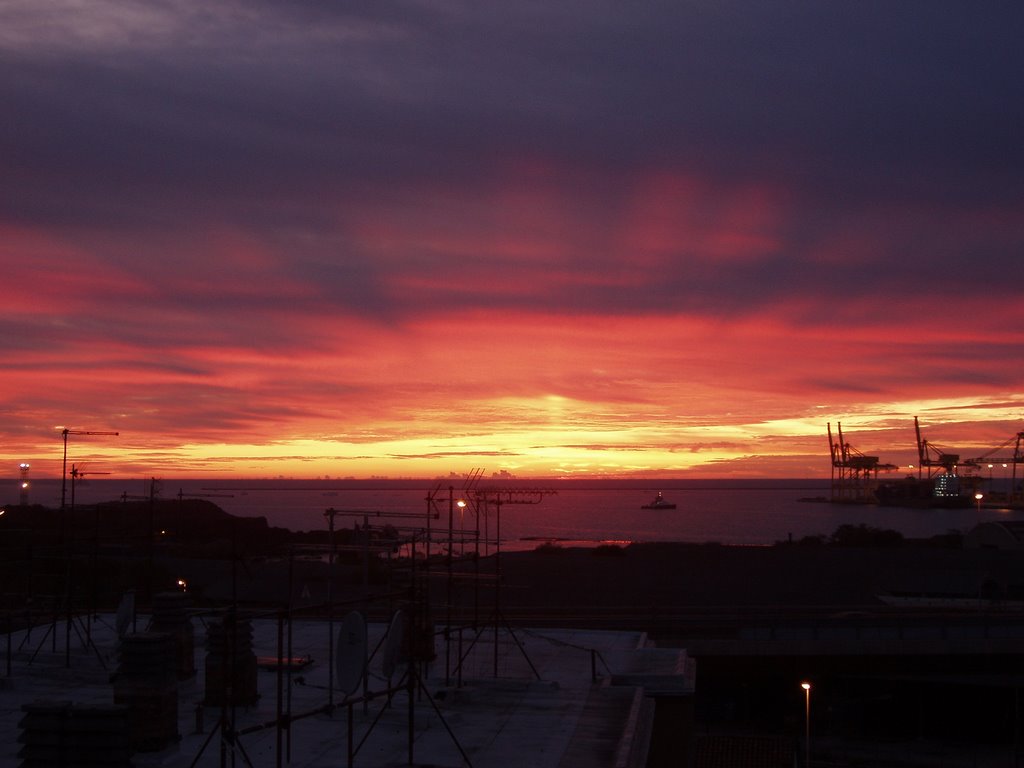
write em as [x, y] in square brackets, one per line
[943, 479]
[943, 491]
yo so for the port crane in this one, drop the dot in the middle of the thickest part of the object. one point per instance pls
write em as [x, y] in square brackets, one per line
[852, 471]
[992, 457]
[64, 477]
[934, 457]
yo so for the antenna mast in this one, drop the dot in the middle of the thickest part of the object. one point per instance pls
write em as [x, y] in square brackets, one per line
[64, 476]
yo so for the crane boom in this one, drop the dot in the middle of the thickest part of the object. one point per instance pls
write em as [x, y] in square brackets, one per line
[852, 471]
[1017, 458]
[930, 455]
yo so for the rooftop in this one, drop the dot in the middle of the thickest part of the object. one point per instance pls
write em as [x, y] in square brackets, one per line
[538, 698]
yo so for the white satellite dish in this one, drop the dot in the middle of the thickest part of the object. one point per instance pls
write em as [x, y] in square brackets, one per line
[125, 613]
[350, 654]
[393, 644]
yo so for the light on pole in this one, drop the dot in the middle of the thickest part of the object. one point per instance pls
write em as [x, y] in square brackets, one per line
[462, 539]
[24, 468]
[978, 497]
[807, 723]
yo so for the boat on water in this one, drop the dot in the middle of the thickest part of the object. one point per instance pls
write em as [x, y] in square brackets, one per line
[659, 503]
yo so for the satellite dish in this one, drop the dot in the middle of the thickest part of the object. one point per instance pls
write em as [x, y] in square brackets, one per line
[125, 613]
[393, 644]
[351, 652]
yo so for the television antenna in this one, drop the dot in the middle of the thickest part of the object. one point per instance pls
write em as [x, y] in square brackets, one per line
[64, 476]
[76, 474]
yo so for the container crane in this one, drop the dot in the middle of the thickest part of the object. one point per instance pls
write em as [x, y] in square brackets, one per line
[933, 456]
[856, 471]
[992, 457]
[943, 467]
[64, 477]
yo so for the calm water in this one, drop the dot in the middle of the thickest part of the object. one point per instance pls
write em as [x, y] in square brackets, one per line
[730, 512]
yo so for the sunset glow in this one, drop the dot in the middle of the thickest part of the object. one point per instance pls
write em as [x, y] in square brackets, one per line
[295, 240]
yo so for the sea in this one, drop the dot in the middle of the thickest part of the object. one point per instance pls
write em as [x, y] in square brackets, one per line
[567, 512]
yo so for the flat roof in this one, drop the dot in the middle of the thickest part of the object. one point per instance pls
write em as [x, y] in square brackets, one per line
[543, 709]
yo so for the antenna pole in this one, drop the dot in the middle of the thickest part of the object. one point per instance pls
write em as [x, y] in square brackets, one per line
[64, 470]
[64, 464]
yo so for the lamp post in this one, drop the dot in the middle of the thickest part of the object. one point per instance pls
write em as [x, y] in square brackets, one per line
[807, 723]
[23, 499]
[462, 538]
[978, 497]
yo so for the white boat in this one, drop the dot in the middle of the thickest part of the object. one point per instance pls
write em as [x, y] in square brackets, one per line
[659, 503]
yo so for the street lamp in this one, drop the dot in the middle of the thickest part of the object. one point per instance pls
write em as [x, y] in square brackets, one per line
[807, 723]
[462, 540]
[24, 468]
[978, 497]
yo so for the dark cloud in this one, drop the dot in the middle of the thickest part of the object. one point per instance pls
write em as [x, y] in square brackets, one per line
[851, 100]
[259, 180]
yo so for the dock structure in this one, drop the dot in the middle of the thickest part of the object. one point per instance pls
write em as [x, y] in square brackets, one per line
[944, 478]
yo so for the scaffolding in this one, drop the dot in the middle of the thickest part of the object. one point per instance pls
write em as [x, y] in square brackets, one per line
[417, 569]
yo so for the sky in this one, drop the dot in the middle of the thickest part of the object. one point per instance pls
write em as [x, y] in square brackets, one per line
[406, 239]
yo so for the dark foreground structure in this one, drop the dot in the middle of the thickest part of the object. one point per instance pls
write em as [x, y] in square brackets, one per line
[912, 650]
